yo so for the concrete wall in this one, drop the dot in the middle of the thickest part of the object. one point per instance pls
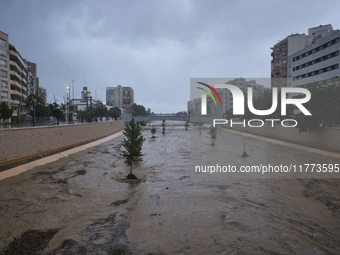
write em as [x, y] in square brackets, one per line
[324, 138]
[23, 143]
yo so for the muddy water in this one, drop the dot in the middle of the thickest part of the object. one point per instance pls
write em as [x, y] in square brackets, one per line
[80, 205]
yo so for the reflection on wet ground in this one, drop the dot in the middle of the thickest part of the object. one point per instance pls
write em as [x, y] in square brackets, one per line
[80, 205]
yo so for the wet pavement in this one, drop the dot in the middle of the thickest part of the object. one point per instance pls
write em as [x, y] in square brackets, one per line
[81, 205]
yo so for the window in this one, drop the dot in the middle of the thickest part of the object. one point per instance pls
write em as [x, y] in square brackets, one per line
[284, 69]
[3, 84]
[277, 64]
[321, 47]
[3, 63]
[277, 49]
[3, 53]
[2, 42]
[284, 45]
[4, 94]
[284, 53]
[278, 56]
[284, 61]
[4, 74]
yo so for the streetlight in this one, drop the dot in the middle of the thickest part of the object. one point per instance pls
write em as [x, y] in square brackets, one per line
[73, 89]
[68, 104]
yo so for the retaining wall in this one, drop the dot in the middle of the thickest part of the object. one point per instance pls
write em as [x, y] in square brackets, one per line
[21, 143]
[324, 138]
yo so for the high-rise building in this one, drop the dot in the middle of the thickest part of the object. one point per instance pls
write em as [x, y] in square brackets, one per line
[33, 87]
[14, 79]
[109, 96]
[5, 70]
[18, 78]
[318, 61]
[287, 55]
[122, 97]
[281, 51]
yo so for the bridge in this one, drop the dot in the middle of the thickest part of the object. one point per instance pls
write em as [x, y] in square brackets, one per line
[128, 117]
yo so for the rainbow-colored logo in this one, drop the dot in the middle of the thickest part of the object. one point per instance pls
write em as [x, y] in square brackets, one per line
[208, 92]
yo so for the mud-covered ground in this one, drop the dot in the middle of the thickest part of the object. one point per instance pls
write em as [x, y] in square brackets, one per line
[80, 205]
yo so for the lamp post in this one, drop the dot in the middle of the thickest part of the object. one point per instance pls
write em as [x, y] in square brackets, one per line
[68, 105]
[73, 89]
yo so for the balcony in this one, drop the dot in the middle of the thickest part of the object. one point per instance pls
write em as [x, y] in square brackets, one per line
[15, 56]
[14, 92]
[15, 102]
[15, 74]
[15, 65]
[15, 83]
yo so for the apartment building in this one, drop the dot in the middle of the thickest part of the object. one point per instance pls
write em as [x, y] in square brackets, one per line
[122, 97]
[18, 78]
[5, 69]
[281, 51]
[14, 78]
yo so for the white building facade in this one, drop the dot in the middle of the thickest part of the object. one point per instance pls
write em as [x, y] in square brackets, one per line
[318, 61]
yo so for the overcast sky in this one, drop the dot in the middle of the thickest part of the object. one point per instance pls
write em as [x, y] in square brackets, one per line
[155, 47]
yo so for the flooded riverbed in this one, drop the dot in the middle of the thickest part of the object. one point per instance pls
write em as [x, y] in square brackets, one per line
[80, 205]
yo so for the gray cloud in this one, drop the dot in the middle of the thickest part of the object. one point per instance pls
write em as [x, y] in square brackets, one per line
[153, 46]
